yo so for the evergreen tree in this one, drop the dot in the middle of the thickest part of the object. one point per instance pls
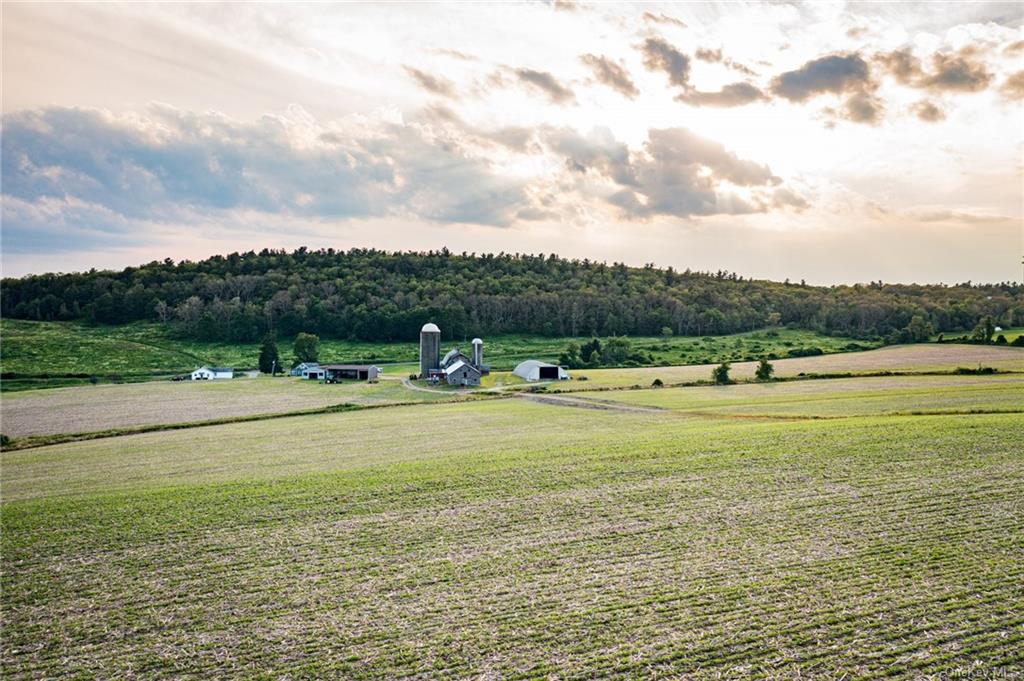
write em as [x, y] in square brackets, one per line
[270, 360]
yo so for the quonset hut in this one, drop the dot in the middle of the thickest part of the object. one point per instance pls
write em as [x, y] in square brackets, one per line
[535, 370]
[430, 349]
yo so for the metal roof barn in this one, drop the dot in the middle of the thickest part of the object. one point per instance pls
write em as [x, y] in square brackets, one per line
[535, 370]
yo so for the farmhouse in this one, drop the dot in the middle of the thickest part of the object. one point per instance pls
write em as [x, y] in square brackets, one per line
[535, 370]
[356, 372]
[212, 373]
[310, 370]
[454, 368]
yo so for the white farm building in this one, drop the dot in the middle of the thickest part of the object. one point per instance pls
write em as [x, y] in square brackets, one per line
[212, 373]
[535, 370]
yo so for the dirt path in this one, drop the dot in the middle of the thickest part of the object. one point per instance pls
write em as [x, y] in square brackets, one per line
[565, 401]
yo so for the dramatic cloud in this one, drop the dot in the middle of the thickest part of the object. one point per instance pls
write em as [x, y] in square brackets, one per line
[958, 72]
[90, 165]
[436, 84]
[611, 74]
[548, 84]
[664, 19]
[659, 55]
[836, 74]
[1013, 88]
[927, 111]
[734, 94]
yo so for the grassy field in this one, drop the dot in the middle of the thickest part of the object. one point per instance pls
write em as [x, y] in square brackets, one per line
[57, 348]
[513, 539]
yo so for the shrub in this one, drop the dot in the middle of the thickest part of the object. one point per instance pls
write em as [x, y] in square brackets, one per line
[657, 383]
[764, 370]
[1018, 341]
[1000, 339]
[582, 378]
[806, 352]
[720, 374]
[4, 440]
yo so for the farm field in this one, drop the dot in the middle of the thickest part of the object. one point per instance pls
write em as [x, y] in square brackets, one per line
[836, 398]
[556, 541]
[58, 348]
[898, 358]
[91, 408]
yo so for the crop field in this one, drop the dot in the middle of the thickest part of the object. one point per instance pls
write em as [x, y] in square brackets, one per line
[897, 358]
[53, 349]
[89, 408]
[511, 538]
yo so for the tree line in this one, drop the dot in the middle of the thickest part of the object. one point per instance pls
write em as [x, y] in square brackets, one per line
[375, 295]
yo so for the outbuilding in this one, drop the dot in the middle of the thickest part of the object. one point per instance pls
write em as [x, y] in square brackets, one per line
[353, 372]
[212, 373]
[535, 370]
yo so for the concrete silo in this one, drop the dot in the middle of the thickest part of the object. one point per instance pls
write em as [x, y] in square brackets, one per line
[478, 353]
[430, 349]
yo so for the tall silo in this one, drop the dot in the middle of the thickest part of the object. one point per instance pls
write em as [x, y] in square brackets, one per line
[478, 352]
[430, 349]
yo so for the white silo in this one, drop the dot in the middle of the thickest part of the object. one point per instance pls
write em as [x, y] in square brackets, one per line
[430, 349]
[478, 353]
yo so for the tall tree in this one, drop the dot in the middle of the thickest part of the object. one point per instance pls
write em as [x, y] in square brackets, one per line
[270, 359]
[306, 348]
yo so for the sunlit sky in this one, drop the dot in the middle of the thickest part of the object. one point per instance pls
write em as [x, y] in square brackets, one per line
[828, 142]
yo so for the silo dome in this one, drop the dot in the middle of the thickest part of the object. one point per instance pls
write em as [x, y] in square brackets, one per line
[430, 327]
[476, 341]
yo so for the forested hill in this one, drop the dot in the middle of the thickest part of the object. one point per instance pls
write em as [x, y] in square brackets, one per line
[375, 295]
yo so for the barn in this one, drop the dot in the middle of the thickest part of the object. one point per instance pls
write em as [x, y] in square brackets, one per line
[353, 372]
[462, 372]
[535, 370]
[212, 373]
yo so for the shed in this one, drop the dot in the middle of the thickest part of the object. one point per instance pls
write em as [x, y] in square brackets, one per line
[535, 370]
[356, 372]
[212, 373]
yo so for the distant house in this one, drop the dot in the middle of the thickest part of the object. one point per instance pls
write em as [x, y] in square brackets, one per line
[309, 370]
[212, 373]
[534, 370]
[356, 372]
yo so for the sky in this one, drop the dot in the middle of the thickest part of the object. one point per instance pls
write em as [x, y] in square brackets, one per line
[834, 143]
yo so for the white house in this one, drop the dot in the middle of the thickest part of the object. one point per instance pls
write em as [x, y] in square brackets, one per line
[212, 373]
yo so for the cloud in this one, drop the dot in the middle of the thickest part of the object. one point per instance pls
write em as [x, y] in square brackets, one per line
[1014, 48]
[1013, 87]
[659, 55]
[547, 83]
[716, 57]
[677, 173]
[611, 74]
[956, 72]
[863, 107]
[836, 74]
[454, 54]
[664, 19]
[95, 169]
[734, 94]
[928, 111]
[435, 84]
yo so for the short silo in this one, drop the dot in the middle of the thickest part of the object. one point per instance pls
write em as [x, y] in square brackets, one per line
[430, 349]
[478, 353]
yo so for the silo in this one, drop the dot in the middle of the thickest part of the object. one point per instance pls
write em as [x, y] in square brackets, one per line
[478, 353]
[430, 349]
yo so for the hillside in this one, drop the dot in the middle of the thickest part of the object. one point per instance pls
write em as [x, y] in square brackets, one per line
[374, 295]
